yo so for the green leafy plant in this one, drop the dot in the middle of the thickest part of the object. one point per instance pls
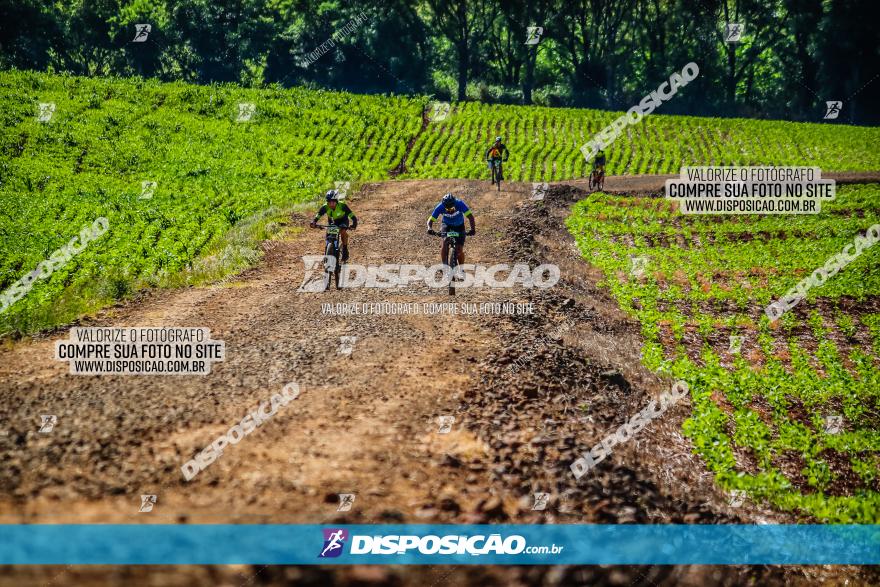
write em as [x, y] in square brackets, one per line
[795, 395]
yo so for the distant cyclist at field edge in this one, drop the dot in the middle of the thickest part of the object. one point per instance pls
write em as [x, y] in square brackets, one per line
[599, 161]
[338, 214]
[495, 153]
[453, 212]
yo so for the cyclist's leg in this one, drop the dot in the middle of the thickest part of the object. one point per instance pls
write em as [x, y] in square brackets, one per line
[343, 225]
[344, 234]
[460, 242]
[444, 249]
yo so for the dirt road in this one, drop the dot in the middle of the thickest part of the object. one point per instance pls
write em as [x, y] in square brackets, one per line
[366, 423]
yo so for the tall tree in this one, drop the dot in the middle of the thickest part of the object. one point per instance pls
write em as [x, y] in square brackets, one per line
[222, 35]
[589, 37]
[464, 23]
[149, 54]
[89, 47]
[760, 32]
[536, 13]
[29, 32]
[804, 19]
[850, 62]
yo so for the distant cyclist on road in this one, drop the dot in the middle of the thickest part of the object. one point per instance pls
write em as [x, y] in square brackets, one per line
[497, 152]
[338, 214]
[599, 161]
[453, 212]
[597, 176]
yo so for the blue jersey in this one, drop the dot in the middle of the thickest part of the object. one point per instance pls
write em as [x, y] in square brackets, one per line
[451, 218]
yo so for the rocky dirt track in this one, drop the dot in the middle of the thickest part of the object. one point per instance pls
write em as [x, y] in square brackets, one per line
[366, 423]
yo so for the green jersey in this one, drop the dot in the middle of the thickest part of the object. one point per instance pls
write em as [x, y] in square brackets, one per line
[335, 214]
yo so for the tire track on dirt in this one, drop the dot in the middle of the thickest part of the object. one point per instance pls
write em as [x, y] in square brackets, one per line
[363, 424]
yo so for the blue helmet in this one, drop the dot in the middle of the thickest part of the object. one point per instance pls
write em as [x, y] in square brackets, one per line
[448, 201]
[332, 196]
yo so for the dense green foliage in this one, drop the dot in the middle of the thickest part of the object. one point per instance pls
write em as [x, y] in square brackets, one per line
[760, 415]
[792, 55]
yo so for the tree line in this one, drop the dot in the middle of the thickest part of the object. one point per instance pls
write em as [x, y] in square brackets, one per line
[757, 58]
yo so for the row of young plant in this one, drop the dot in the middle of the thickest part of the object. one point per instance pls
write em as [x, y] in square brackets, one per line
[760, 416]
[729, 258]
[173, 168]
[545, 143]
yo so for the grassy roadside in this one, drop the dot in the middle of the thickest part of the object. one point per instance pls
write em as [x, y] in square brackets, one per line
[219, 263]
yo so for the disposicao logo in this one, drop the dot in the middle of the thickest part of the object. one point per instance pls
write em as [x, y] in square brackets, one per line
[432, 544]
[334, 540]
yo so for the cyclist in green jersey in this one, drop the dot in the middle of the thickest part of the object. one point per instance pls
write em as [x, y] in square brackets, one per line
[338, 214]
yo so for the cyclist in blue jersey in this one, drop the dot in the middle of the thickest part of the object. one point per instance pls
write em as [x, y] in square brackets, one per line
[453, 212]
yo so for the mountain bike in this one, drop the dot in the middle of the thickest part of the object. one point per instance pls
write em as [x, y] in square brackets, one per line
[331, 249]
[451, 260]
[497, 174]
[597, 179]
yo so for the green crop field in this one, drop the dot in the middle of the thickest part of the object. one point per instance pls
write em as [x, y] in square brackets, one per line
[215, 174]
[545, 143]
[212, 172]
[790, 412]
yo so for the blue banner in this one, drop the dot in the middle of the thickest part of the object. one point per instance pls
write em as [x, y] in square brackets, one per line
[406, 544]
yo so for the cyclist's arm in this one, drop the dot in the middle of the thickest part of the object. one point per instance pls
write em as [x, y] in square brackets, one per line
[489, 150]
[321, 211]
[469, 215]
[505, 151]
[434, 215]
[350, 214]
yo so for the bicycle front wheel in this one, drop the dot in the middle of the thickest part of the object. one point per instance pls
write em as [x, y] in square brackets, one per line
[331, 265]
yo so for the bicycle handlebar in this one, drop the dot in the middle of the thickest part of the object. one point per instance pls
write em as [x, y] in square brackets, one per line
[443, 234]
